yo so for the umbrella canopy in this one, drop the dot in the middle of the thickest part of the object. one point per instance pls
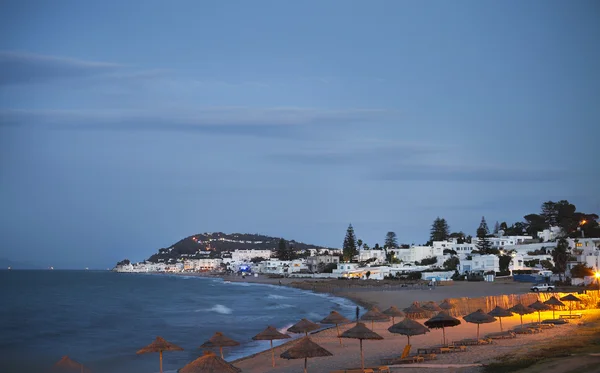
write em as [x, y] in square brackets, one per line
[159, 345]
[209, 363]
[571, 298]
[539, 307]
[220, 341]
[304, 349]
[393, 312]
[414, 311]
[500, 312]
[441, 321]
[66, 364]
[374, 315]
[431, 307]
[521, 310]
[303, 326]
[408, 328]
[270, 334]
[553, 301]
[360, 332]
[335, 318]
[446, 305]
[479, 317]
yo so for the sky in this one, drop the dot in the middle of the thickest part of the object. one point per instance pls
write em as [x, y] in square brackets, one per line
[128, 125]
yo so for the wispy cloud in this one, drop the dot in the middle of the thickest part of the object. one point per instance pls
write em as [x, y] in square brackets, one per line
[20, 67]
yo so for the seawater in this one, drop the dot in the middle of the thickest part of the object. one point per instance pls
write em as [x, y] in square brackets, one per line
[102, 318]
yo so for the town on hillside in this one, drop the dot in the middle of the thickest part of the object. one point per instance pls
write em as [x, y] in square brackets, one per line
[557, 245]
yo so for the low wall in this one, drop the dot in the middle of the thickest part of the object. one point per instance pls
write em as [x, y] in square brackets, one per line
[464, 306]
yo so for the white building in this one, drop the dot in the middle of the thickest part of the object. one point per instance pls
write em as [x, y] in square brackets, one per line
[314, 263]
[241, 256]
[551, 234]
[416, 254]
[480, 263]
[503, 241]
[378, 255]
[518, 261]
[462, 249]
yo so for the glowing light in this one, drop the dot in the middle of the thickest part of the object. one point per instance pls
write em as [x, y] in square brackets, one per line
[583, 222]
[597, 274]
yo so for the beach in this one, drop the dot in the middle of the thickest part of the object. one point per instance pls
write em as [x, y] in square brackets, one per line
[346, 356]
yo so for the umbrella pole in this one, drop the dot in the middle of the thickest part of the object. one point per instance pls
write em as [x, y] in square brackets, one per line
[539, 317]
[444, 334]
[500, 324]
[305, 359]
[221, 351]
[338, 332]
[521, 321]
[272, 353]
[477, 332]
[160, 357]
[553, 312]
[372, 325]
[362, 357]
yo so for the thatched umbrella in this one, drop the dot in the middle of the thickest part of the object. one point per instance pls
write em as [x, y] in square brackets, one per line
[219, 340]
[442, 320]
[415, 311]
[479, 317]
[303, 326]
[500, 312]
[270, 334]
[408, 328]
[570, 298]
[159, 345]
[553, 301]
[335, 318]
[304, 349]
[393, 312]
[521, 310]
[432, 307]
[209, 363]
[446, 305]
[374, 315]
[539, 307]
[66, 364]
[360, 332]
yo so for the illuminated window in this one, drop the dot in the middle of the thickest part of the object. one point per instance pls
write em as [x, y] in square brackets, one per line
[579, 244]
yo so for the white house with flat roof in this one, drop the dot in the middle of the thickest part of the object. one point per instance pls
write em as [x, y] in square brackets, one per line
[480, 263]
[241, 256]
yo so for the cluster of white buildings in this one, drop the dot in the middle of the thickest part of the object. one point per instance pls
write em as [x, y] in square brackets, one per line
[526, 253]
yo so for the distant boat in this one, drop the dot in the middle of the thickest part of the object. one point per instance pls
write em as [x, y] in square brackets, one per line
[9, 268]
[51, 268]
[87, 269]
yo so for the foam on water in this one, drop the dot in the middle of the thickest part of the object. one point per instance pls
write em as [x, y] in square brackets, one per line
[218, 308]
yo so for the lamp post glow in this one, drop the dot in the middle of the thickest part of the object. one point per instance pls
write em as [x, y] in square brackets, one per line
[598, 279]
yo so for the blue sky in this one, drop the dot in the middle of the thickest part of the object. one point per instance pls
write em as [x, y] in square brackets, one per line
[127, 125]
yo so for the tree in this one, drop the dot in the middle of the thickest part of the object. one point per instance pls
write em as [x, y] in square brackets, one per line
[349, 248]
[391, 241]
[580, 271]
[282, 250]
[484, 245]
[496, 227]
[546, 264]
[359, 243]
[460, 237]
[428, 261]
[450, 251]
[368, 274]
[365, 246]
[535, 223]
[504, 263]
[440, 231]
[451, 264]
[560, 255]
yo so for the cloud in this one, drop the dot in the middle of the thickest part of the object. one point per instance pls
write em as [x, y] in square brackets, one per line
[20, 67]
[224, 120]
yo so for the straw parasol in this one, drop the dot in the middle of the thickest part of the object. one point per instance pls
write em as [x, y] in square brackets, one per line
[446, 305]
[374, 315]
[479, 317]
[159, 345]
[335, 318]
[570, 298]
[521, 310]
[442, 320]
[209, 363]
[303, 326]
[270, 334]
[500, 312]
[393, 312]
[360, 332]
[431, 306]
[408, 328]
[66, 364]
[415, 311]
[304, 349]
[553, 301]
[219, 340]
[539, 307]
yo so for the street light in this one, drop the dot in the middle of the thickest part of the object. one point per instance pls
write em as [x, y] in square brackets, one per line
[598, 279]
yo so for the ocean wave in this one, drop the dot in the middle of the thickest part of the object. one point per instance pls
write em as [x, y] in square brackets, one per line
[275, 296]
[218, 308]
[282, 306]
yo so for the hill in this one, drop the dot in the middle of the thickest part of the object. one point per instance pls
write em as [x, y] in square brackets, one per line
[216, 243]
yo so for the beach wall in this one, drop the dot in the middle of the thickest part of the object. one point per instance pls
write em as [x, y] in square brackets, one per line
[464, 306]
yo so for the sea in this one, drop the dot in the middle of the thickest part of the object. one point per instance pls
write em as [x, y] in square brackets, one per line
[101, 318]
